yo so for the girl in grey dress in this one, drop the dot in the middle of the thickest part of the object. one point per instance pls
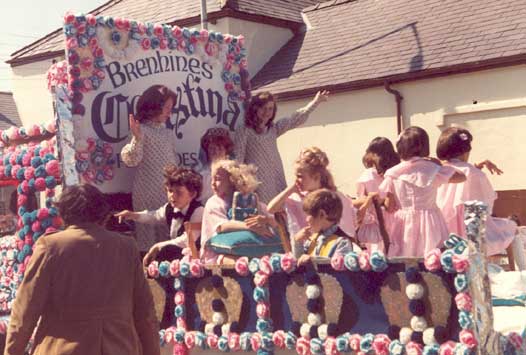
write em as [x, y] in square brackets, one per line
[152, 147]
[256, 141]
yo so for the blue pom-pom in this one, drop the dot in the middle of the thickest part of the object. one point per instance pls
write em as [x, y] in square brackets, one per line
[263, 325]
[417, 307]
[178, 284]
[412, 275]
[53, 211]
[222, 344]
[314, 305]
[164, 268]
[7, 170]
[31, 184]
[36, 162]
[51, 182]
[40, 171]
[46, 223]
[217, 305]
[260, 294]
[217, 281]
[179, 311]
[366, 344]
[316, 346]
[26, 218]
[20, 174]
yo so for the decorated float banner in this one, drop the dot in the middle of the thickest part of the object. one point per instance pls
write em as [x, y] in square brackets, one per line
[111, 61]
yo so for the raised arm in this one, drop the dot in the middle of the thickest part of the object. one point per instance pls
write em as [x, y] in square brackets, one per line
[301, 115]
[132, 152]
[277, 204]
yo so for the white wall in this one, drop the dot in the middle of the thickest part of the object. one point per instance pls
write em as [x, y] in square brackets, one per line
[344, 125]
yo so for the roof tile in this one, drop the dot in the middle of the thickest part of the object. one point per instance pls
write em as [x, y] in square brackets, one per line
[8, 112]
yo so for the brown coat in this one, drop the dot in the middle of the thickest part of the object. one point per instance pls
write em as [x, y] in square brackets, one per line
[88, 286]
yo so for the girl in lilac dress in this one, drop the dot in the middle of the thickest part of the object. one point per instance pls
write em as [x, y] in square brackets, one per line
[418, 225]
[379, 157]
[454, 146]
[256, 141]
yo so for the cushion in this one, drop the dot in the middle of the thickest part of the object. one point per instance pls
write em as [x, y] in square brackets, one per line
[244, 243]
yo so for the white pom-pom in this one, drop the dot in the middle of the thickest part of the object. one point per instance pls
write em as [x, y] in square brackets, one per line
[313, 292]
[405, 335]
[429, 336]
[209, 328]
[414, 291]
[225, 329]
[322, 331]
[304, 330]
[314, 319]
[418, 324]
[218, 318]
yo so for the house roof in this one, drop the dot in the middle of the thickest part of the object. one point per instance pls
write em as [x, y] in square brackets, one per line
[284, 13]
[361, 43]
[8, 111]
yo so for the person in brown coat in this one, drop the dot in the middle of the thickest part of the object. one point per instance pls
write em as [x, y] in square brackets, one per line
[87, 286]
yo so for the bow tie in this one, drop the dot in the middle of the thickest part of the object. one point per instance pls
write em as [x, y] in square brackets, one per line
[178, 215]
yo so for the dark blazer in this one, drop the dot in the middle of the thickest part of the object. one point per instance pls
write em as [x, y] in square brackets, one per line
[88, 286]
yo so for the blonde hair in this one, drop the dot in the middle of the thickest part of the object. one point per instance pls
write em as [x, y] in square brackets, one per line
[241, 176]
[314, 161]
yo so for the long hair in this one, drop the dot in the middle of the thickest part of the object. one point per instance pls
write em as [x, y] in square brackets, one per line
[381, 155]
[314, 161]
[256, 102]
[241, 176]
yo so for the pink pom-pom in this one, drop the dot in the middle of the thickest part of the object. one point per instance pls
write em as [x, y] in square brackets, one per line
[28, 239]
[180, 349]
[233, 341]
[363, 260]
[337, 262]
[288, 262]
[26, 159]
[189, 340]
[21, 200]
[174, 268]
[181, 323]
[153, 269]
[303, 346]
[255, 341]
[467, 338]
[43, 213]
[264, 265]
[196, 268]
[35, 227]
[447, 348]
[14, 170]
[262, 310]
[260, 278]
[29, 173]
[51, 127]
[241, 266]
[432, 260]
[460, 263]
[463, 301]
[354, 342]
[20, 244]
[50, 230]
[331, 347]
[211, 340]
[25, 186]
[40, 184]
[515, 339]
[53, 168]
[381, 344]
[179, 298]
[413, 348]
[278, 338]
[56, 222]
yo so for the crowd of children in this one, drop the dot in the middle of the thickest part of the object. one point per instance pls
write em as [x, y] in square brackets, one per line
[407, 203]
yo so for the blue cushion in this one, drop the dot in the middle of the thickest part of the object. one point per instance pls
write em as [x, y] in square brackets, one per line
[244, 243]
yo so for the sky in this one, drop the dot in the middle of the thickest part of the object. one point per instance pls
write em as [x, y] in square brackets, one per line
[24, 21]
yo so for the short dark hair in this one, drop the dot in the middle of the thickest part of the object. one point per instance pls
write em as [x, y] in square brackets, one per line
[326, 200]
[176, 176]
[453, 142]
[151, 102]
[256, 102]
[413, 142]
[381, 155]
[82, 203]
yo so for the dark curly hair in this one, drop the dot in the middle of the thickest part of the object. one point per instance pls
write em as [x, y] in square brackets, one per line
[151, 102]
[381, 155]
[82, 204]
[176, 176]
[453, 142]
[256, 102]
[413, 142]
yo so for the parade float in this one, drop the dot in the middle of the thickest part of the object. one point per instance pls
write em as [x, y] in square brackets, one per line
[357, 303]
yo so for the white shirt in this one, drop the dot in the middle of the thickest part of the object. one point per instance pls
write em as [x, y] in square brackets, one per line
[159, 217]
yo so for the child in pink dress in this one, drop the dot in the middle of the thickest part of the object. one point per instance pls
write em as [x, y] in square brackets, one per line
[379, 157]
[418, 225]
[311, 174]
[228, 177]
[454, 146]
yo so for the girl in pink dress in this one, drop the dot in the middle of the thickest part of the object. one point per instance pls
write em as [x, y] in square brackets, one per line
[311, 174]
[379, 157]
[227, 177]
[454, 146]
[418, 225]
